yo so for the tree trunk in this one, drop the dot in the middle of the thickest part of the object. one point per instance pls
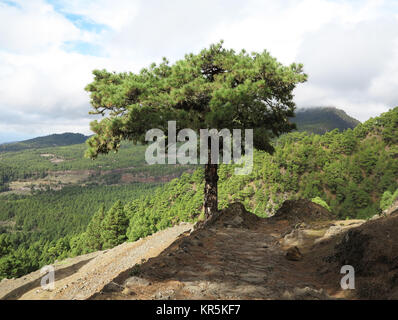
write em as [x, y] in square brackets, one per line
[211, 191]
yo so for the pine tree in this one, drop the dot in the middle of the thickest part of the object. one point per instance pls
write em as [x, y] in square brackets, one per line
[93, 239]
[386, 200]
[114, 226]
[215, 89]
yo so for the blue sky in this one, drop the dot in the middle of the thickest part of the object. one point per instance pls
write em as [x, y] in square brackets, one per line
[49, 48]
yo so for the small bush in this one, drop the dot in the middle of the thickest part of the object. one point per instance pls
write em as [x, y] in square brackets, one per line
[321, 202]
[388, 199]
[136, 270]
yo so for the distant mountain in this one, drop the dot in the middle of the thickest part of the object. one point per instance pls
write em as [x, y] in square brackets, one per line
[315, 120]
[54, 140]
[322, 119]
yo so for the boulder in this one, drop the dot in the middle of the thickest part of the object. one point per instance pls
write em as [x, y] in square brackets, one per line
[234, 216]
[136, 281]
[296, 211]
[372, 249]
[112, 287]
[306, 293]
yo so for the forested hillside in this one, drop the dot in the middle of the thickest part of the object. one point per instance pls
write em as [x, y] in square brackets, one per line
[35, 230]
[349, 170]
[49, 194]
[31, 165]
[323, 119]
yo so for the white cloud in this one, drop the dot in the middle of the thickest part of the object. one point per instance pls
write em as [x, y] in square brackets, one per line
[277, 27]
[33, 27]
[115, 14]
[348, 57]
[384, 86]
[39, 126]
[349, 49]
[40, 82]
[352, 66]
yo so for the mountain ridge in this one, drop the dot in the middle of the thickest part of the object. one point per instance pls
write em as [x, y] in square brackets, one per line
[52, 140]
[320, 120]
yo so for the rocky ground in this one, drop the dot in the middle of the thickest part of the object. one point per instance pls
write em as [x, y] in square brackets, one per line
[81, 277]
[296, 254]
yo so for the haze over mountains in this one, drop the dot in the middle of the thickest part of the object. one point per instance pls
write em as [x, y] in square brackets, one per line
[314, 120]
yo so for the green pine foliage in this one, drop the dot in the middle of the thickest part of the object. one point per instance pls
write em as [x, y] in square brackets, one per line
[321, 202]
[114, 226]
[93, 236]
[388, 199]
[215, 88]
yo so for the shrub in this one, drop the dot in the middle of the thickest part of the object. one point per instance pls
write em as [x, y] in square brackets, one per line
[387, 199]
[321, 202]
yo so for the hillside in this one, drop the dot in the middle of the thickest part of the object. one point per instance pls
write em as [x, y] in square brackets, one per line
[320, 120]
[85, 275]
[54, 140]
[49, 195]
[66, 165]
[235, 255]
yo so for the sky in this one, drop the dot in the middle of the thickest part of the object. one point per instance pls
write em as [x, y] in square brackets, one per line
[48, 50]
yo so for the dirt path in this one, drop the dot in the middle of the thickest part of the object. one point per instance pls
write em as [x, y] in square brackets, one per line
[82, 279]
[236, 259]
[15, 288]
